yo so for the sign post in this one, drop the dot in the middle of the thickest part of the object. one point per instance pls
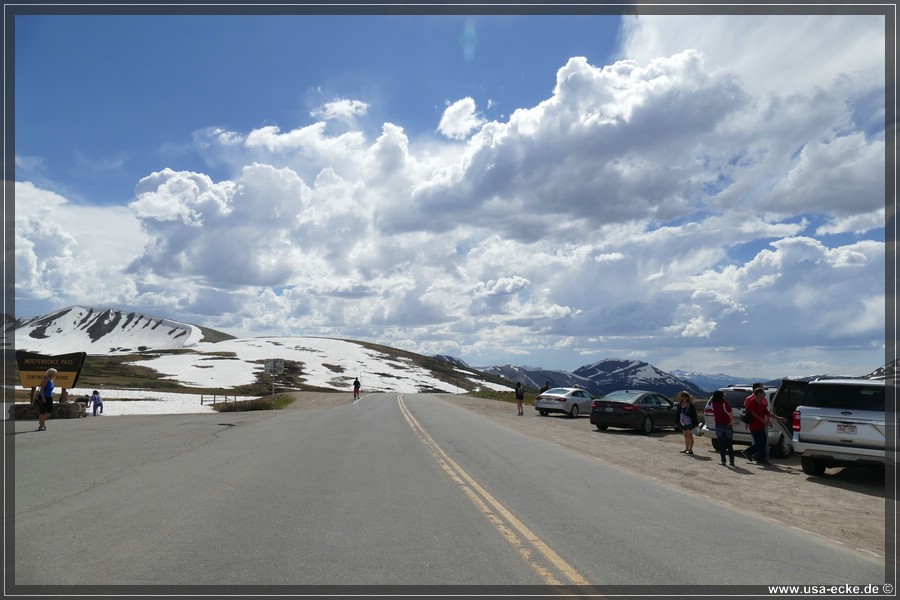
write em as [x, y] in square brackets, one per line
[33, 367]
[274, 366]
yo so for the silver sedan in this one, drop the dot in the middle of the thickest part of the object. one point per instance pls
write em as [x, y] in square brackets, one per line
[569, 401]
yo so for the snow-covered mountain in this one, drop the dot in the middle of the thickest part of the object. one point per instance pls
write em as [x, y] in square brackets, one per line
[102, 331]
[715, 381]
[210, 359]
[615, 374]
[457, 362]
[215, 359]
[888, 371]
[535, 377]
[602, 377]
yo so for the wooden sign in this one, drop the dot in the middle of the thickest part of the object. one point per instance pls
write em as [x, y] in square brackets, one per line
[33, 367]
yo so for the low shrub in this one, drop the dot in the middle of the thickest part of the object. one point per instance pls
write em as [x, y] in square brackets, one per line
[264, 403]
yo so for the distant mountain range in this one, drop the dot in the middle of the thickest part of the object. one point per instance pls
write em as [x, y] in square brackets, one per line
[612, 374]
[602, 377]
[109, 331]
[716, 381]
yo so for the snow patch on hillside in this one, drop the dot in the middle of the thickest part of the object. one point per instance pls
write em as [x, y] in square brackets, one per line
[326, 362]
[103, 331]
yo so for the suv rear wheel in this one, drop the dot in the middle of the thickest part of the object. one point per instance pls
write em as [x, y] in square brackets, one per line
[812, 466]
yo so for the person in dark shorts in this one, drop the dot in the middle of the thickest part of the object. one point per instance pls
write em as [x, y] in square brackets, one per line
[686, 418]
[46, 395]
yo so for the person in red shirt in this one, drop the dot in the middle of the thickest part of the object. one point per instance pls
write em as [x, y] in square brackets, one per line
[759, 427]
[750, 451]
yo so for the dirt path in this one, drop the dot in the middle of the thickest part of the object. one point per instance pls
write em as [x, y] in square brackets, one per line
[846, 506]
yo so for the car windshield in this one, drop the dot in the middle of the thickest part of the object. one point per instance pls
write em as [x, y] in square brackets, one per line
[627, 397]
[736, 397]
[859, 397]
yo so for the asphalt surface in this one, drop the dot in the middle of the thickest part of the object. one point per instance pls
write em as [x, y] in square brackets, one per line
[409, 491]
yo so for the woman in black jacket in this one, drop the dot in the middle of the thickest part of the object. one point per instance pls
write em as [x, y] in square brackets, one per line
[686, 418]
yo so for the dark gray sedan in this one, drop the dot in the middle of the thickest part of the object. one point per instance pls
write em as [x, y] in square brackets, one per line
[633, 409]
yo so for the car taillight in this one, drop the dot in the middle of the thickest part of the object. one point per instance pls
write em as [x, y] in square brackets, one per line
[795, 422]
[708, 412]
[629, 407]
[594, 404]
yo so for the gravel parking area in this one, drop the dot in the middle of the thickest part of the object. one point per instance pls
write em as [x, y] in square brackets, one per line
[846, 506]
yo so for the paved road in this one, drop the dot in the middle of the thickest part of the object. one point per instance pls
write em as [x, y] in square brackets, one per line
[392, 490]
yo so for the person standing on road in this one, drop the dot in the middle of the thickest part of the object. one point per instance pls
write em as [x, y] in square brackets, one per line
[724, 419]
[545, 387]
[356, 386]
[686, 418]
[97, 402]
[45, 392]
[520, 396]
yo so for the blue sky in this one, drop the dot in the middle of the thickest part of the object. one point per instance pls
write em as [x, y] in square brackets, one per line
[159, 78]
[703, 193]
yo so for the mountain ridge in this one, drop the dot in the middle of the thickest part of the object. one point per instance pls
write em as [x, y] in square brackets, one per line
[74, 327]
[108, 331]
[602, 377]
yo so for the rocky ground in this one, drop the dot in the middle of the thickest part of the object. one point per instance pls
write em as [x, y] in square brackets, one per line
[846, 506]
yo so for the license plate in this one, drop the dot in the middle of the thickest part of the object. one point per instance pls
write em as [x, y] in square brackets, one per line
[848, 429]
[608, 409]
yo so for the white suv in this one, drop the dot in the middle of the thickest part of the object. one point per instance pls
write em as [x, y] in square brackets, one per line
[840, 422]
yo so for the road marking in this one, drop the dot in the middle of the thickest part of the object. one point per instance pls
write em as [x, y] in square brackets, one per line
[511, 528]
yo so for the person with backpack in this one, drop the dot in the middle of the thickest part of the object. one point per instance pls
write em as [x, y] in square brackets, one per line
[356, 386]
[520, 397]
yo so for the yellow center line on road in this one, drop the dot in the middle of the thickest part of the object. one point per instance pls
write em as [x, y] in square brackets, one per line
[511, 528]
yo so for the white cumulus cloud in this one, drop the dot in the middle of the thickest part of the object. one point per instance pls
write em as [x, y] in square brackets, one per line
[715, 193]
